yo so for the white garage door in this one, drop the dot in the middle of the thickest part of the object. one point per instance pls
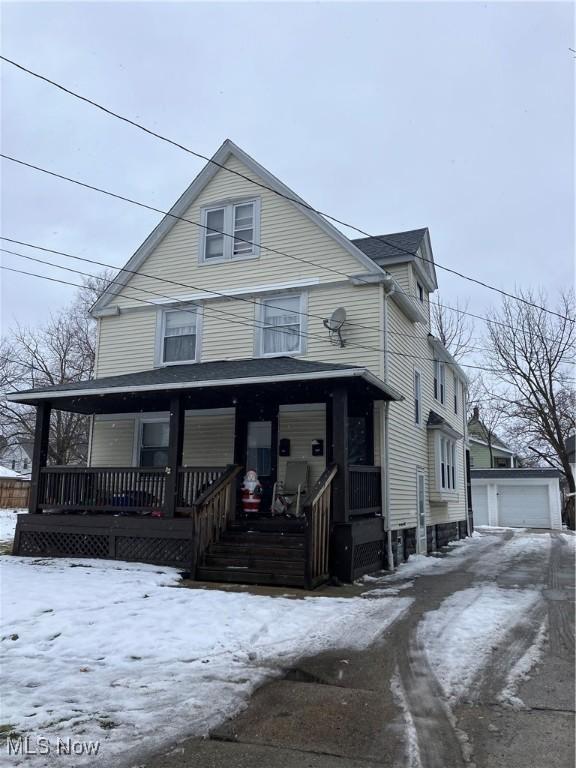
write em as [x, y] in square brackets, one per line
[480, 504]
[524, 506]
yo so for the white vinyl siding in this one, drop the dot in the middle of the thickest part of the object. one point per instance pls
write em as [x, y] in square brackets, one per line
[302, 425]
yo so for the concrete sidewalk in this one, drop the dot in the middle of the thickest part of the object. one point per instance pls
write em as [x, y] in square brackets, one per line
[338, 709]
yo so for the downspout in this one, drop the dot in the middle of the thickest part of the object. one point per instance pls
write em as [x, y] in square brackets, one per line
[388, 287]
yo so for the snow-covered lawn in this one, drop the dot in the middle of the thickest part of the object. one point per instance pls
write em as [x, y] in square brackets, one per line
[117, 652]
[8, 524]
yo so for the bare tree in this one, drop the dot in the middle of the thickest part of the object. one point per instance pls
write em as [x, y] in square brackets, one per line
[59, 352]
[454, 328]
[486, 417]
[532, 354]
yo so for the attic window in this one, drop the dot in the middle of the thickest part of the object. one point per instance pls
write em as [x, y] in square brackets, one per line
[230, 231]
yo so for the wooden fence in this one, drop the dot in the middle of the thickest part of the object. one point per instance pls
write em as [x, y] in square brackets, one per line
[14, 493]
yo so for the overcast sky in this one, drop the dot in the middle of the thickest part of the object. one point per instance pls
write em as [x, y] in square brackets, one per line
[458, 117]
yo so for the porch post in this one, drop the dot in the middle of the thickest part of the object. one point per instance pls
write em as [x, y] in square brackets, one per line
[175, 446]
[40, 454]
[339, 431]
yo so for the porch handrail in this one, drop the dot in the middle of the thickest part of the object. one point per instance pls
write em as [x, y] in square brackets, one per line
[365, 489]
[213, 511]
[317, 510]
[101, 488]
[193, 482]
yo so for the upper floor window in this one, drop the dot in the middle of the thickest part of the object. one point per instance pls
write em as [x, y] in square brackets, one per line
[456, 385]
[230, 231]
[417, 398]
[420, 292]
[281, 325]
[179, 334]
[439, 381]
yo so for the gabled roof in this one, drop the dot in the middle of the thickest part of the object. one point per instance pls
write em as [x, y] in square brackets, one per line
[477, 429]
[399, 247]
[226, 150]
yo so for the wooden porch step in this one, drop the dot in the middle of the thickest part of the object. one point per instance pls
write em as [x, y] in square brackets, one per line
[260, 538]
[254, 563]
[269, 525]
[249, 576]
[273, 551]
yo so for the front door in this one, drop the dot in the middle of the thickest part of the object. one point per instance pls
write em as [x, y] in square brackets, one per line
[421, 505]
[258, 450]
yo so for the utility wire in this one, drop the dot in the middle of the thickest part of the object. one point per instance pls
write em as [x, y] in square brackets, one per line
[243, 322]
[219, 294]
[211, 229]
[295, 200]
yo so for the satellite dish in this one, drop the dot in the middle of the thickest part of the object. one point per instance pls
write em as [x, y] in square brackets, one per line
[335, 323]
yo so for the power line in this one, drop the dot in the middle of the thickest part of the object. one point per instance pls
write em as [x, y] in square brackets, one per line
[297, 201]
[227, 296]
[225, 234]
[237, 322]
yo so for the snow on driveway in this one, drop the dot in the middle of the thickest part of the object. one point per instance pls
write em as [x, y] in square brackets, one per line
[113, 651]
[461, 635]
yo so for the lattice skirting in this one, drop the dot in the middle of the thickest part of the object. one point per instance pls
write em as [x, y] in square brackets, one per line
[368, 556]
[174, 550]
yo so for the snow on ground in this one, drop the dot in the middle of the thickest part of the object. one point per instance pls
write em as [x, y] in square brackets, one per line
[521, 670]
[8, 523]
[460, 636]
[5, 472]
[113, 651]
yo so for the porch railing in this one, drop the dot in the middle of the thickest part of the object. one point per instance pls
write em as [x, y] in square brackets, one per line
[193, 482]
[130, 489]
[102, 488]
[318, 509]
[365, 490]
[213, 511]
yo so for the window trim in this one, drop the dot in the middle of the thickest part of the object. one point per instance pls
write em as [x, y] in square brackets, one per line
[229, 207]
[161, 328]
[259, 330]
[139, 429]
[445, 460]
[417, 397]
[440, 381]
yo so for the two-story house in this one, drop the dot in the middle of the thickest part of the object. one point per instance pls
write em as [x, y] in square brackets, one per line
[487, 450]
[220, 350]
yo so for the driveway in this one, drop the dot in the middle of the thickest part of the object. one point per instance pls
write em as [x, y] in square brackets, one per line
[479, 672]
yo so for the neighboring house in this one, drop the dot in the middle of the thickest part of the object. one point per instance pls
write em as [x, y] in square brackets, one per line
[17, 457]
[487, 450]
[214, 357]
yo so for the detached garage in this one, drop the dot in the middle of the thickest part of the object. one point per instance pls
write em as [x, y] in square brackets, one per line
[517, 498]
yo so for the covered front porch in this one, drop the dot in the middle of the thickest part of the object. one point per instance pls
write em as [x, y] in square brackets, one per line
[158, 507]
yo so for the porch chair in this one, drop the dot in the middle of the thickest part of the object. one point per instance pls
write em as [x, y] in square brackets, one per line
[287, 495]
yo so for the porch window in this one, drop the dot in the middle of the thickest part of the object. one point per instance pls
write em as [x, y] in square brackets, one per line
[439, 381]
[281, 326]
[179, 336]
[417, 398]
[230, 231]
[154, 443]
